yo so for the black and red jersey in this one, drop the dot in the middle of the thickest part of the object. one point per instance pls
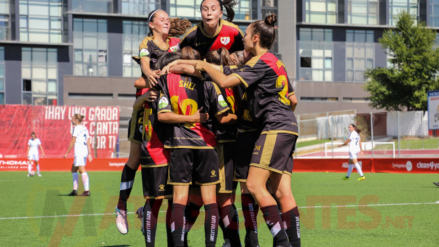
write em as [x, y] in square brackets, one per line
[228, 35]
[184, 95]
[268, 88]
[148, 48]
[155, 134]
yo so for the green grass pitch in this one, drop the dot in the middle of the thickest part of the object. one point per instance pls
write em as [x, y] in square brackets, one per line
[34, 211]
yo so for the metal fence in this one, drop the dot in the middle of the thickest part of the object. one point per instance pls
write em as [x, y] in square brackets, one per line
[383, 134]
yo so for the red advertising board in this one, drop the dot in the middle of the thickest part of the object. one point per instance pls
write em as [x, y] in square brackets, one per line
[52, 125]
[400, 165]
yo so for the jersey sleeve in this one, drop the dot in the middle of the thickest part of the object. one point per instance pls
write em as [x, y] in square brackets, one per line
[144, 49]
[28, 143]
[87, 133]
[164, 103]
[75, 132]
[351, 136]
[227, 70]
[218, 104]
[39, 142]
[252, 72]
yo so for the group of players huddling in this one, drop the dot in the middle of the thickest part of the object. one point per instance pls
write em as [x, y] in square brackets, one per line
[213, 109]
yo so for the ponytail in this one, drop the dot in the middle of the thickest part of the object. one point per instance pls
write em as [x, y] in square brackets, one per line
[179, 27]
[356, 128]
[79, 117]
[228, 4]
[266, 30]
[220, 57]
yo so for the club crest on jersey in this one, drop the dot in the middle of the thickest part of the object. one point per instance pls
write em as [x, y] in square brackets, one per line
[162, 187]
[163, 102]
[213, 173]
[221, 101]
[143, 52]
[175, 48]
[225, 40]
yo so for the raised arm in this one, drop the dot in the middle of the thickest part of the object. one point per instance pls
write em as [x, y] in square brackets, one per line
[222, 80]
[151, 75]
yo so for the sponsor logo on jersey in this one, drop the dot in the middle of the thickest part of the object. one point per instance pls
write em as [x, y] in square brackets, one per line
[143, 52]
[225, 40]
[221, 101]
[163, 102]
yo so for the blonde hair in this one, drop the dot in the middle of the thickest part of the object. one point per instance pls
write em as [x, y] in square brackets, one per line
[79, 117]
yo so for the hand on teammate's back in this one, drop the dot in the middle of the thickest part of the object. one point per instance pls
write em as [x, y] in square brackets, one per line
[152, 77]
[150, 96]
[200, 117]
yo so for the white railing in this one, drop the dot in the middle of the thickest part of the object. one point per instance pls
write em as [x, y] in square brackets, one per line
[363, 144]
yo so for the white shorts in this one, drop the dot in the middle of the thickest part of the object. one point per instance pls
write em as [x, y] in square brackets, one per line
[33, 156]
[80, 161]
[353, 155]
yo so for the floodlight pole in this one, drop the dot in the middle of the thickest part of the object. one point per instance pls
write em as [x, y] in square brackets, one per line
[332, 135]
[399, 142]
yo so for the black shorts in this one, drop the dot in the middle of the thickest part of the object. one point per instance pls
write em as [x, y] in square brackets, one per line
[273, 151]
[135, 127]
[245, 143]
[199, 166]
[154, 180]
[226, 152]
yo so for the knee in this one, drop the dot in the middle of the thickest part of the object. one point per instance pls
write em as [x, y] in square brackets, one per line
[252, 186]
[280, 194]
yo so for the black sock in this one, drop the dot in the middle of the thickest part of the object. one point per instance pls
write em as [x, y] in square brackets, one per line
[291, 222]
[126, 184]
[250, 211]
[230, 219]
[223, 228]
[178, 224]
[150, 215]
[168, 224]
[275, 225]
[192, 211]
[211, 224]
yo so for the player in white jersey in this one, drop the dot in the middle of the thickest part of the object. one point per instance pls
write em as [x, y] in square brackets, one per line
[81, 141]
[354, 142]
[33, 155]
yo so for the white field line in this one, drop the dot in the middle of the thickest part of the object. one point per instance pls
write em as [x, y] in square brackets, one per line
[332, 206]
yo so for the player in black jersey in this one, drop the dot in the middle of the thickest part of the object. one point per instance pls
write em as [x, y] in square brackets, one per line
[156, 43]
[265, 78]
[213, 32]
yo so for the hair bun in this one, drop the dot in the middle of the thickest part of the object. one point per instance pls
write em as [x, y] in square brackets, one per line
[271, 19]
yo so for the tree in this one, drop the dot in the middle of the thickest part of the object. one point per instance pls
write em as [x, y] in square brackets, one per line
[415, 62]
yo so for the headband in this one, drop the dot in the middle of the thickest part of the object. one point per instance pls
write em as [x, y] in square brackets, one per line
[153, 13]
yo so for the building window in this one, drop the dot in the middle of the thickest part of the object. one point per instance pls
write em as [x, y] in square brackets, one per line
[41, 21]
[363, 12]
[141, 7]
[4, 20]
[40, 76]
[360, 54]
[316, 54]
[2, 75]
[434, 13]
[90, 43]
[356, 100]
[93, 6]
[396, 6]
[133, 34]
[321, 11]
[243, 10]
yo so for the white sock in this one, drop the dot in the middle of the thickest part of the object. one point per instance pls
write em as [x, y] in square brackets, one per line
[38, 169]
[351, 167]
[29, 168]
[85, 181]
[75, 180]
[358, 167]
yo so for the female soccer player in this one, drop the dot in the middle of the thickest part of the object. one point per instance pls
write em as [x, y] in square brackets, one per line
[213, 32]
[265, 78]
[157, 43]
[193, 158]
[81, 141]
[354, 142]
[32, 154]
